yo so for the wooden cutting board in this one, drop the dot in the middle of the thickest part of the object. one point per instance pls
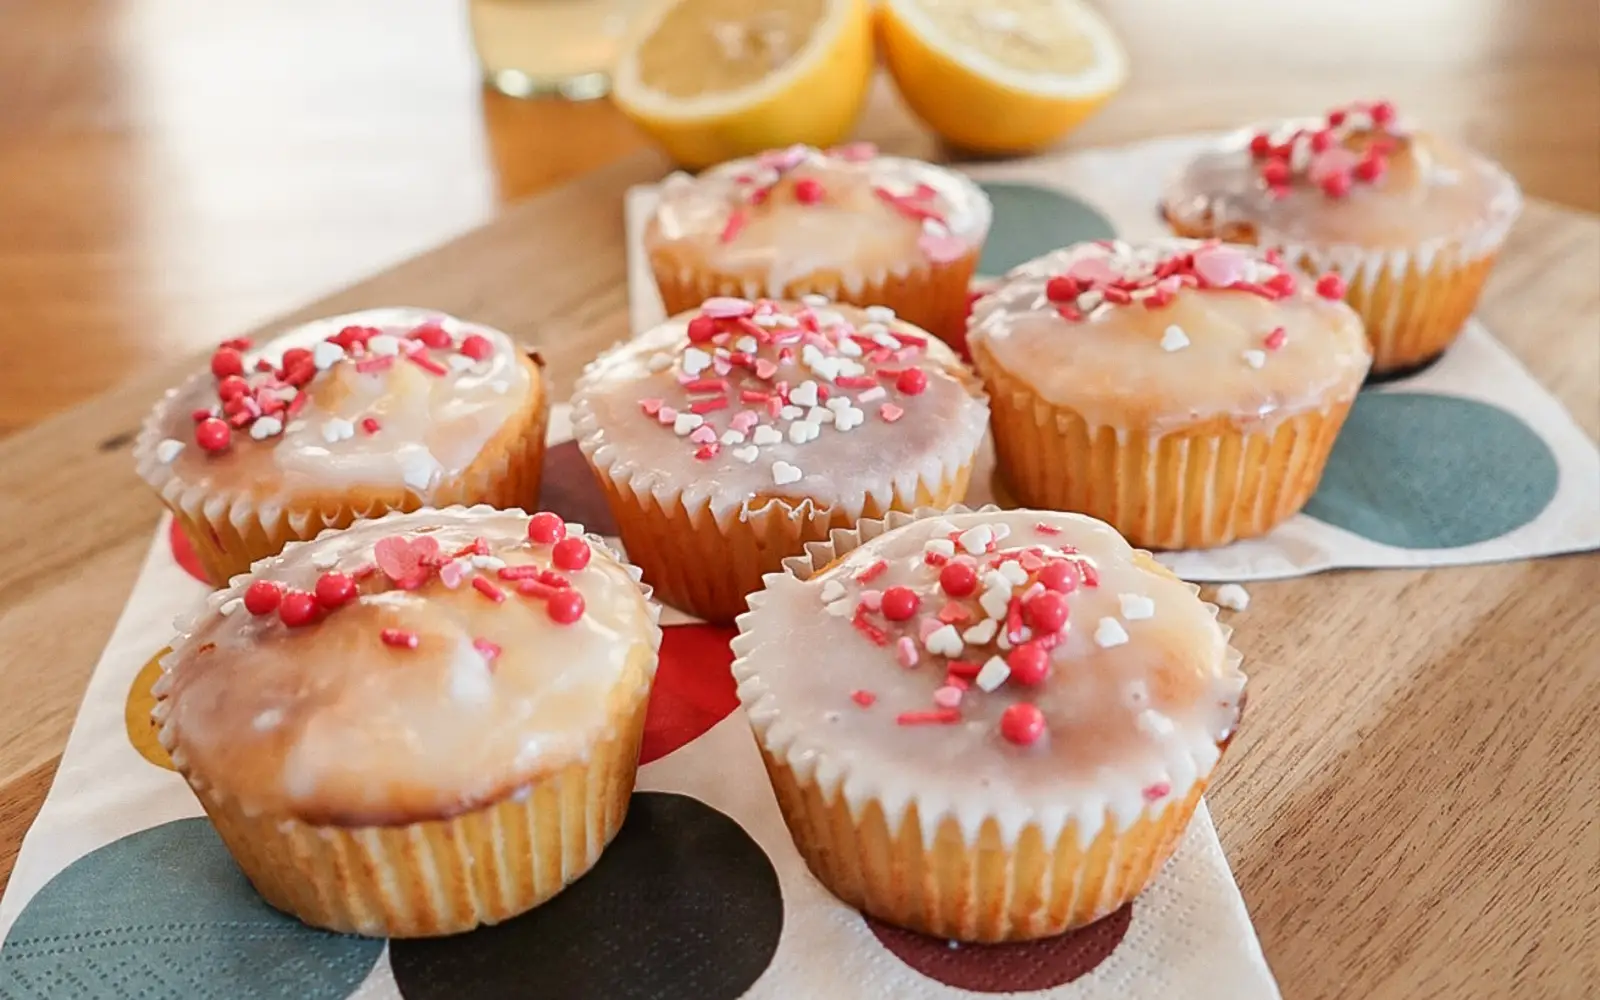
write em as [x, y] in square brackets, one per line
[1410, 808]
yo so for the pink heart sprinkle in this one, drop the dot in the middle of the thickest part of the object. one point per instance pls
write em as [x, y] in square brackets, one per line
[1091, 269]
[890, 412]
[666, 414]
[942, 249]
[725, 307]
[872, 600]
[783, 159]
[744, 420]
[947, 697]
[721, 365]
[405, 561]
[703, 434]
[452, 573]
[765, 369]
[854, 152]
[651, 406]
[926, 626]
[1219, 266]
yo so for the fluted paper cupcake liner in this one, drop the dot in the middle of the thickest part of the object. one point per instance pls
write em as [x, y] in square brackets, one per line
[932, 296]
[910, 861]
[230, 530]
[1193, 488]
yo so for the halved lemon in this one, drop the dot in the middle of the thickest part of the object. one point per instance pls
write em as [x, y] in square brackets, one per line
[1001, 76]
[716, 79]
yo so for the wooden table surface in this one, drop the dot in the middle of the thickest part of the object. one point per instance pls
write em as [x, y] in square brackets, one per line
[1410, 810]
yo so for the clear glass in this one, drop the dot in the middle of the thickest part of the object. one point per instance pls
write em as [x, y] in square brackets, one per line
[549, 48]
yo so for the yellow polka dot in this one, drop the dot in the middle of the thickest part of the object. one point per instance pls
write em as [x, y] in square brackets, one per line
[142, 730]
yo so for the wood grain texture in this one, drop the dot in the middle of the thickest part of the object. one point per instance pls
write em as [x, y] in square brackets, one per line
[1409, 807]
[171, 170]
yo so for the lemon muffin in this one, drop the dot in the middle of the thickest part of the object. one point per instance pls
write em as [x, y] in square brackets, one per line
[351, 416]
[986, 726]
[1411, 220]
[1186, 392]
[417, 724]
[847, 223]
[728, 437]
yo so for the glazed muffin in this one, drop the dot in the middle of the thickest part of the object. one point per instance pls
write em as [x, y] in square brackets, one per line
[729, 437]
[342, 418]
[1412, 221]
[1188, 393]
[986, 726]
[848, 223]
[418, 724]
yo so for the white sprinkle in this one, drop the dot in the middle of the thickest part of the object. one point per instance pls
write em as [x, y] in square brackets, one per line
[791, 413]
[1255, 358]
[459, 362]
[418, 471]
[783, 473]
[850, 348]
[231, 605]
[685, 423]
[940, 547]
[327, 354]
[1153, 723]
[499, 386]
[767, 320]
[992, 674]
[995, 602]
[747, 344]
[659, 362]
[1002, 532]
[1174, 339]
[1233, 597]
[842, 608]
[337, 429]
[879, 314]
[803, 431]
[1089, 299]
[784, 321]
[1110, 633]
[325, 559]
[819, 415]
[269, 719]
[873, 394]
[766, 434]
[1014, 573]
[747, 454]
[829, 317]
[850, 368]
[982, 633]
[804, 394]
[285, 393]
[266, 427]
[294, 427]
[488, 562]
[814, 300]
[944, 641]
[830, 368]
[838, 403]
[732, 437]
[695, 361]
[1136, 606]
[832, 591]
[168, 450]
[850, 419]
[383, 346]
[976, 539]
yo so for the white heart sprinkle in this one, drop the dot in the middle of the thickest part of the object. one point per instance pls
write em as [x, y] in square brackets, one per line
[459, 362]
[747, 454]
[829, 368]
[814, 300]
[941, 547]
[802, 431]
[686, 422]
[850, 369]
[1174, 339]
[832, 591]
[850, 348]
[326, 354]
[658, 362]
[992, 674]
[783, 473]
[1136, 606]
[325, 559]
[266, 427]
[982, 633]
[732, 437]
[695, 361]
[383, 346]
[231, 605]
[842, 608]
[338, 429]
[1153, 723]
[880, 314]
[168, 450]
[976, 539]
[995, 603]
[1233, 597]
[850, 419]
[766, 434]
[418, 470]
[1014, 573]
[791, 413]
[1110, 633]
[944, 641]
[819, 415]
[1255, 358]
[804, 394]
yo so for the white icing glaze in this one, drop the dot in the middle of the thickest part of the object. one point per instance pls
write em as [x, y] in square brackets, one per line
[1122, 367]
[938, 431]
[326, 723]
[431, 427]
[1433, 193]
[1129, 725]
[852, 231]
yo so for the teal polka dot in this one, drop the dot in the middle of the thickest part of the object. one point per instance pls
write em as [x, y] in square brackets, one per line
[166, 913]
[1421, 471]
[1030, 220]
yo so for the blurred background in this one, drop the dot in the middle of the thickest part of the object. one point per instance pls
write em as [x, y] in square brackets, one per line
[173, 172]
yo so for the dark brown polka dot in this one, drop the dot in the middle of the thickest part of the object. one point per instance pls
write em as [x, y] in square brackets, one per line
[1008, 968]
[568, 488]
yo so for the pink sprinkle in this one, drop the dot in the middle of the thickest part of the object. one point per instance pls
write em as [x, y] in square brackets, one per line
[744, 420]
[954, 613]
[486, 587]
[872, 572]
[854, 152]
[863, 698]
[709, 404]
[721, 365]
[399, 638]
[928, 625]
[704, 434]
[726, 307]
[1092, 270]
[666, 414]
[489, 649]
[890, 412]
[651, 406]
[1220, 266]
[765, 369]
[906, 652]
[942, 249]
[1157, 791]
[1275, 339]
[1046, 529]
[872, 600]
[947, 697]
[731, 228]
[452, 573]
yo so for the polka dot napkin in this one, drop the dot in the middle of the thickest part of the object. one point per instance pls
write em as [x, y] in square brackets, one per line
[1468, 461]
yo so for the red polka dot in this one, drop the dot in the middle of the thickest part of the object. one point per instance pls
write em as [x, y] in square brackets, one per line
[1008, 968]
[183, 554]
[693, 690]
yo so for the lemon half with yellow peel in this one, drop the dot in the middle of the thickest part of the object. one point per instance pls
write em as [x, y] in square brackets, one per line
[1001, 76]
[712, 80]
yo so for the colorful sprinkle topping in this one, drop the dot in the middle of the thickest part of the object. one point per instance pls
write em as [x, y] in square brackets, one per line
[1350, 148]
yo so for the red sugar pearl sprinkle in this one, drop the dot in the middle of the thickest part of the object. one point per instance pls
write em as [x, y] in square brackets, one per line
[958, 579]
[1336, 185]
[1047, 612]
[863, 698]
[227, 361]
[1062, 289]
[1330, 286]
[431, 335]
[1382, 113]
[477, 347]
[1030, 664]
[399, 638]
[545, 528]
[334, 589]
[1369, 169]
[298, 609]
[1060, 577]
[1260, 145]
[564, 606]
[900, 603]
[1275, 173]
[571, 554]
[370, 425]
[808, 191]
[912, 381]
[232, 387]
[262, 597]
[1022, 724]
[213, 435]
